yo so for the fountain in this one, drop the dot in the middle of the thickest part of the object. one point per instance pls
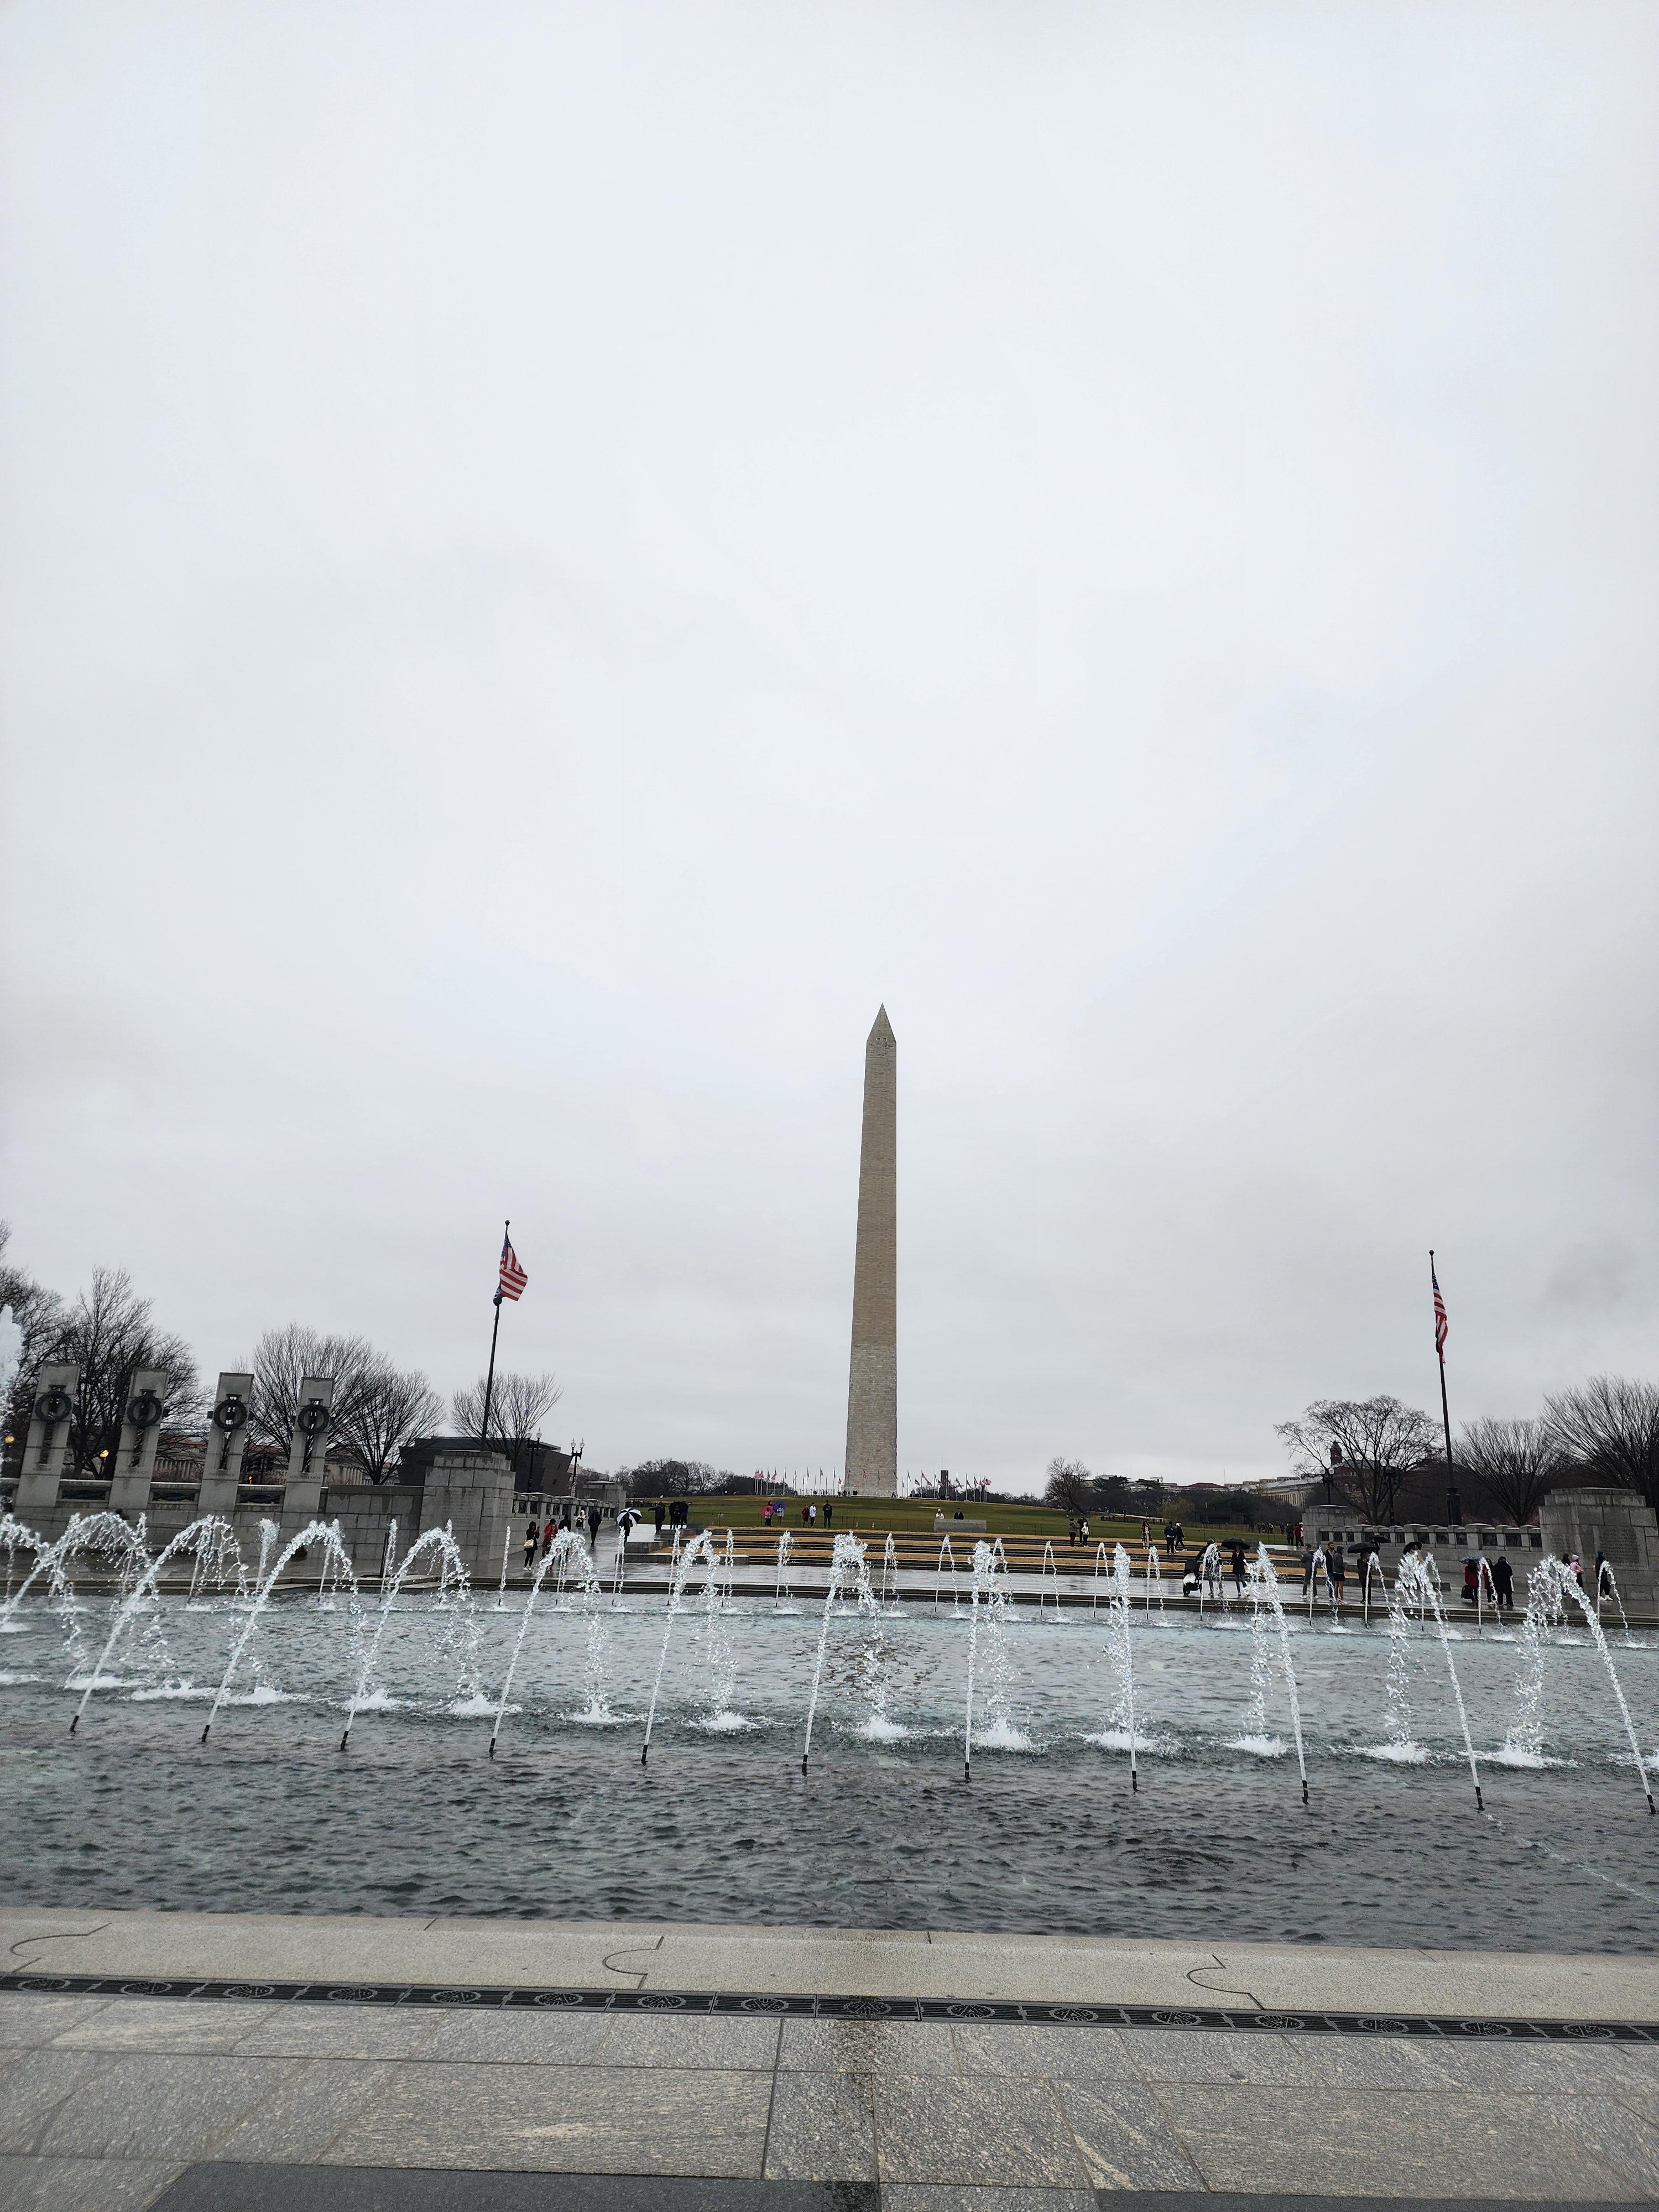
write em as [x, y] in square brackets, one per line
[782, 1592]
[105, 1536]
[1422, 1572]
[1154, 1577]
[314, 1532]
[1119, 1727]
[1264, 1584]
[890, 1580]
[701, 1549]
[990, 1596]
[849, 1569]
[946, 1558]
[207, 1533]
[1550, 1584]
[1050, 1577]
[442, 1541]
[567, 1549]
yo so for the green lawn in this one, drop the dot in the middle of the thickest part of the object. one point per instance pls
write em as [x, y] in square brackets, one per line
[877, 1515]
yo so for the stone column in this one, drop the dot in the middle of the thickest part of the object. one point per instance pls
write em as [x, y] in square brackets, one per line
[46, 1452]
[307, 1455]
[141, 1431]
[471, 1493]
[227, 1438]
[872, 1384]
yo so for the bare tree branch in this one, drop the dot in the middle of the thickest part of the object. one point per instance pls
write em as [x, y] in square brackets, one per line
[1608, 1428]
[1512, 1465]
[518, 1404]
[1376, 1441]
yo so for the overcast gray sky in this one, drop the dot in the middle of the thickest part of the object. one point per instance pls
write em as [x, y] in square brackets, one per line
[555, 557]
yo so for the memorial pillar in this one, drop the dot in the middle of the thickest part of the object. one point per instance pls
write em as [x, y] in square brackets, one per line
[46, 1452]
[307, 1455]
[141, 1431]
[227, 1438]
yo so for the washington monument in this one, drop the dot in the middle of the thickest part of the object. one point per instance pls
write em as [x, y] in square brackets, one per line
[872, 1387]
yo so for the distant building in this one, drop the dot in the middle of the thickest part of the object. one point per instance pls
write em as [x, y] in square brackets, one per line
[539, 1467]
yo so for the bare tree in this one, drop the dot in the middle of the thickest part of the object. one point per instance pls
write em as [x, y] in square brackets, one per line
[674, 1478]
[282, 1360]
[39, 1313]
[1608, 1428]
[1366, 1447]
[1511, 1464]
[1069, 1487]
[386, 1408]
[518, 1404]
[377, 1406]
[111, 1332]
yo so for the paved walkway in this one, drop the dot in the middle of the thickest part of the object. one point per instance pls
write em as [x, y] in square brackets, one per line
[114, 2100]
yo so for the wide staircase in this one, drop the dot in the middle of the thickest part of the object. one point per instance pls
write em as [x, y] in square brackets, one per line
[920, 1550]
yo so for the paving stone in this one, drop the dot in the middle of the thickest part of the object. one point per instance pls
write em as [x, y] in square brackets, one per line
[28, 2022]
[588, 2119]
[302, 2115]
[1124, 2137]
[518, 2038]
[934, 2127]
[1267, 2058]
[156, 2106]
[647, 2039]
[82, 2184]
[234, 2188]
[823, 2128]
[868, 2046]
[934, 2197]
[33, 2085]
[1280, 2140]
[163, 2024]
[316, 2031]
[1591, 2069]
[1624, 2141]
[1056, 2054]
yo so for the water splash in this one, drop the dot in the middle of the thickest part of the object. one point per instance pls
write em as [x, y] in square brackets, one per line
[568, 1549]
[699, 1552]
[205, 1534]
[1264, 1586]
[314, 1532]
[1119, 1731]
[1422, 1572]
[849, 1571]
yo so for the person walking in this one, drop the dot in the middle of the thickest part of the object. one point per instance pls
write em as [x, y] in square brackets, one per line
[548, 1533]
[659, 1514]
[532, 1533]
[1082, 1532]
[1336, 1567]
[1236, 1561]
[1503, 1583]
[829, 1512]
[594, 1517]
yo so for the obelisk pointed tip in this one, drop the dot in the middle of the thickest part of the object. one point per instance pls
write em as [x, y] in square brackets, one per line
[882, 1031]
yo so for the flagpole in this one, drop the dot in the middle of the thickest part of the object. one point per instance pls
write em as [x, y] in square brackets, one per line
[494, 1331]
[1453, 1507]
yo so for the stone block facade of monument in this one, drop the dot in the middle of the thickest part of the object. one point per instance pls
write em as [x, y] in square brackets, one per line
[873, 1383]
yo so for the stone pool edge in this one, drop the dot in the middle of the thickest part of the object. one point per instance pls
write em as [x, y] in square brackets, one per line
[948, 1964]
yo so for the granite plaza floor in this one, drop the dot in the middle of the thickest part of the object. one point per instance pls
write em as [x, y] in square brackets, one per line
[114, 2100]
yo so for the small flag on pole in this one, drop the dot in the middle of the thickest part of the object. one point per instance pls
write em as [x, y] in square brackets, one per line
[512, 1276]
[1442, 1326]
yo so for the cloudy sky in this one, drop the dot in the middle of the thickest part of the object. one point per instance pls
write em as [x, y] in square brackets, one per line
[554, 557]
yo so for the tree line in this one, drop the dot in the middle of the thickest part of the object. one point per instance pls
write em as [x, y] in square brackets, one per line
[109, 1330]
[1374, 1451]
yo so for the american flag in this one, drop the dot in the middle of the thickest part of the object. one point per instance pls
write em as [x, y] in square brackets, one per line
[513, 1277]
[1442, 1326]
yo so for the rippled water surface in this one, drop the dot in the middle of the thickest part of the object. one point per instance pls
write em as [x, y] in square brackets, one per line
[883, 1831]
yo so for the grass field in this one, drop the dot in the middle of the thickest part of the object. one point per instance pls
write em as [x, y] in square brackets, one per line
[876, 1516]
